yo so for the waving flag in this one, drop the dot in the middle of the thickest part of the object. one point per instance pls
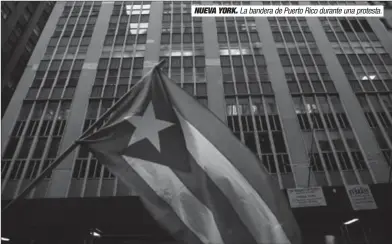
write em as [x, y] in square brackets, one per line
[192, 174]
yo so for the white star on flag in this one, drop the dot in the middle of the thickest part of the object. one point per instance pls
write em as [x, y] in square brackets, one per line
[147, 126]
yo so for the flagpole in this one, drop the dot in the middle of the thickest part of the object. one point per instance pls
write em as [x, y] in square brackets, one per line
[311, 157]
[72, 147]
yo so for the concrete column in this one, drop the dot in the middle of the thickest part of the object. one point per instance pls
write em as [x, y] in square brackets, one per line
[151, 55]
[383, 35]
[215, 92]
[62, 175]
[285, 106]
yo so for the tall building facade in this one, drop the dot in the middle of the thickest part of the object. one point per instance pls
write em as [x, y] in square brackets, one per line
[301, 93]
[21, 26]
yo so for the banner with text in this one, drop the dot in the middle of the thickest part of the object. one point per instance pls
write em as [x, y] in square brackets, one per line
[361, 197]
[306, 197]
[288, 11]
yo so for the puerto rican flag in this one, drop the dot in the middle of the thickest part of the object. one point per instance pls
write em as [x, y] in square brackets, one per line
[193, 175]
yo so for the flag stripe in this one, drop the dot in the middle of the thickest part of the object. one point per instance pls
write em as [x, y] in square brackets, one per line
[231, 227]
[189, 209]
[253, 210]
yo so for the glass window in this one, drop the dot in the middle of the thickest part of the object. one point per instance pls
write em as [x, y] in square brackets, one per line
[55, 65]
[109, 40]
[103, 63]
[43, 65]
[78, 65]
[198, 38]
[138, 63]
[277, 37]
[285, 60]
[114, 63]
[66, 65]
[254, 36]
[141, 39]
[187, 38]
[201, 89]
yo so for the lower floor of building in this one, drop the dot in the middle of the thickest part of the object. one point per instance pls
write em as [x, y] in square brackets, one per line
[121, 220]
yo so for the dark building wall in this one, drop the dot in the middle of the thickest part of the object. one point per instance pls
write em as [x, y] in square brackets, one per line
[22, 24]
[253, 73]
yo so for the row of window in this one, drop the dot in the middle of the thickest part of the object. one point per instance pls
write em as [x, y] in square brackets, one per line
[284, 22]
[75, 31]
[371, 85]
[185, 62]
[365, 59]
[90, 169]
[91, 20]
[48, 93]
[34, 167]
[124, 19]
[306, 86]
[315, 112]
[347, 25]
[184, 38]
[88, 9]
[131, 8]
[120, 40]
[252, 88]
[65, 64]
[123, 63]
[64, 78]
[331, 163]
[262, 122]
[110, 91]
[111, 78]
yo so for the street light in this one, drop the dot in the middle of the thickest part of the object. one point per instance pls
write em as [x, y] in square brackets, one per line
[95, 233]
[351, 221]
[5, 239]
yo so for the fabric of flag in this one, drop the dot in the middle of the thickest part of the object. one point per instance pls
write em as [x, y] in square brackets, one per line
[192, 174]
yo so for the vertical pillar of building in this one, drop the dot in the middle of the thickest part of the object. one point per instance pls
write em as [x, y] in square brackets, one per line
[292, 131]
[62, 175]
[383, 35]
[9, 25]
[368, 143]
[215, 92]
[27, 78]
[153, 44]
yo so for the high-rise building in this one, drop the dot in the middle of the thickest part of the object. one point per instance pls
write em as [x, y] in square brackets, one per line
[301, 93]
[21, 26]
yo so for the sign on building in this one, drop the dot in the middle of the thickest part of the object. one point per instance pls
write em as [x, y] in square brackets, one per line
[361, 197]
[306, 197]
